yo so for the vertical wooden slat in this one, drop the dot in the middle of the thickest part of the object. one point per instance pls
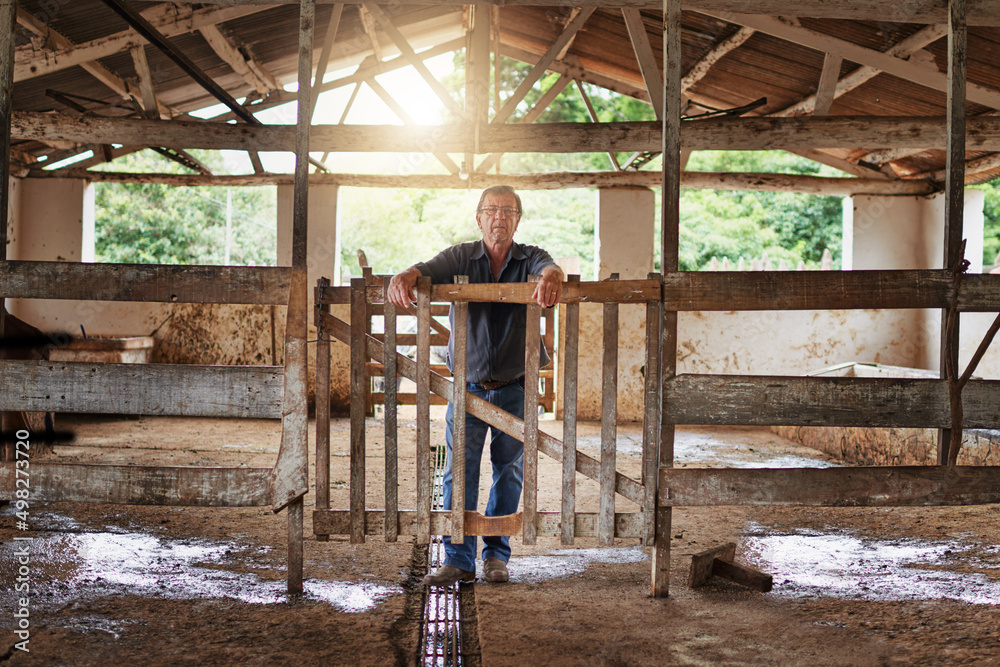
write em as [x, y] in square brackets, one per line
[609, 423]
[391, 526]
[669, 255]
[366, 273]
[569, 368]
[8, 14]
[424, 476]
[358, 375]
[954, 190]
[651, 418]
[322, 406]
[532, 343]
[458, 418]
[297, 326]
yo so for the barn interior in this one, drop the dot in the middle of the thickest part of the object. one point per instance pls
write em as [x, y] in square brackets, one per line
[882, 365]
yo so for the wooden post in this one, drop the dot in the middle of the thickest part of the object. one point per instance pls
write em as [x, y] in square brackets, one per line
[954, 192]
[670, 226]
[424, 475]
[389, 374]
[359, 358]
[322, 405]
[569, 367]
[609, 422]
[8, 13]
[366, 273]
[651, 417]
[532, 344]
[458, 418]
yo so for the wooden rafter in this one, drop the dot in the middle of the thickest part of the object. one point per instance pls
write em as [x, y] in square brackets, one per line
[594, 118]
[149, 104]
[542, 65]
[903, 49]
[324, 56]
[171, 21]
[644, 54]
[249, 68]
[570, 66]
[827, 87]
[368, 23]
[915, 72]
[702, 67]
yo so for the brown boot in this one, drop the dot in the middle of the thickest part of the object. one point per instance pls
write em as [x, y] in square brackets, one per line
[446, 575]
[495, 571]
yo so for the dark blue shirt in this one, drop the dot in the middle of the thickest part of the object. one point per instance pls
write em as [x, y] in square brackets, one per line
[496, 330]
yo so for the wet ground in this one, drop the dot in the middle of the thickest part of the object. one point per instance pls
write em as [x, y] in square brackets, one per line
[200, 585]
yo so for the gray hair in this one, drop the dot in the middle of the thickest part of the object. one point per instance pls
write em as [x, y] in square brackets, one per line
[498, 190]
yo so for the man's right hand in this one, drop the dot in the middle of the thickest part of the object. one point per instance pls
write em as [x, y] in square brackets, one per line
[401, 287]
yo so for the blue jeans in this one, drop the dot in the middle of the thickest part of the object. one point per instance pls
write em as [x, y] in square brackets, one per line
[507, 457]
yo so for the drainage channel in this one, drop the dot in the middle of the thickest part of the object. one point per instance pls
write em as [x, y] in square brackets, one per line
[449, 636]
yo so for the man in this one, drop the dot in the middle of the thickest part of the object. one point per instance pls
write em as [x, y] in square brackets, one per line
[495, 369]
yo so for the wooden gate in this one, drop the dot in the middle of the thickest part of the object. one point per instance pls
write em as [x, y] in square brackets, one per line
[566, 522]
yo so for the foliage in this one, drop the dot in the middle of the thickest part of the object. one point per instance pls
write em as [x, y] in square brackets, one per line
[161, 224]
[991, 231]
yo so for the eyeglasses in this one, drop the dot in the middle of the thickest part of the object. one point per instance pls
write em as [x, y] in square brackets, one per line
[493, 210]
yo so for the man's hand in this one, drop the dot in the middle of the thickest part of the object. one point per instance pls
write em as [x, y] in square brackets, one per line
[401, 286]
[548, 290]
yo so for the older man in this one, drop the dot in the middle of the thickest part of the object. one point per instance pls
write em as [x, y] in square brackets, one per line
[495, 369]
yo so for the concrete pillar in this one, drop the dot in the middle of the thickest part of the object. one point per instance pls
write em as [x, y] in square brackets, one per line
[908, 233]
[623, 233]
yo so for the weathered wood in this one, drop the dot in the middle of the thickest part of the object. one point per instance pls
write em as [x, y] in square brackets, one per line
[421, 374]
[645, 57]
[743, 575]
[748, 133]
[142, 389]
[337, 522]
[569, 365]
[585, 465]
[140, 485]
[827, 87]
[532, 343]
[891, 486]
[144, 282]
[458, 420]
[980, 12]
[701, 563]
[827, 290]
[609, 420]
[825, 401]
[651, 420]
[389, 414]
[625, 291]
[691, 180]
[358, 381]
[322, 409]
[296, 512]
[8, 11]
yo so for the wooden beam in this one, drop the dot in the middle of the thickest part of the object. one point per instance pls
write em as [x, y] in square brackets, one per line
[827, 84]
[764, 400]
[910, 71]
[171, 21]
[644, 55]
[692, 180]
[404, 116]
[256, 75]
[891, 486]
[337, 522]
[903, 49]
[702, 67]
[981, 12]
[7, 24]
[142, 389]
[149, 104]
[541, 66]
[141, 485]
[570, 66]
[324, 59]
[760, 133]
[144, 282]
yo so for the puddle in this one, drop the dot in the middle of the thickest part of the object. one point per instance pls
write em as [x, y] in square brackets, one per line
[98, 564]
[567, 562]
[838, 564]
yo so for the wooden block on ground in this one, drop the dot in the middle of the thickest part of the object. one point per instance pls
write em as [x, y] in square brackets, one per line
[719, 562]
[701, 563]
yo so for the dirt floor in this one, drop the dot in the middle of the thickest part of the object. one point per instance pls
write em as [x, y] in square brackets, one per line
[163, 586]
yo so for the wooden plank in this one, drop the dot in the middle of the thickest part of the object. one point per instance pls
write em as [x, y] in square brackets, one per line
[144, 282]
[408, 399]
[742, 575]
[142, 389]
[891, 486]
[337, 522]
[389, 414]
[609, 421]
[422, 374]
[358, 359]
[532, 344]
[8, 12]
[461, 353]
[651, 420]
[648, 66]
[139, 485]
[585, 465]
[825, 401]
[322, 410]
[296, 515]
[701, 563]
[624, 291]
[570, 371]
